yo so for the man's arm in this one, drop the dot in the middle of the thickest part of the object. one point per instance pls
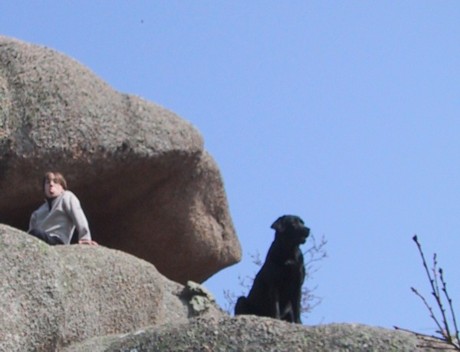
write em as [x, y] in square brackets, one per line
[79, 220]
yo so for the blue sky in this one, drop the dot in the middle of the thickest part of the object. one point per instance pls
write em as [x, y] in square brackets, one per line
[345, 113]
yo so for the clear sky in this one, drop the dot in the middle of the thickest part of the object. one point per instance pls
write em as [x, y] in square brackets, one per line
[346, 113]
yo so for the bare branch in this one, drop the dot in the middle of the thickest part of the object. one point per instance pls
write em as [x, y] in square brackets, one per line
[429, 309]
[434, 277]
[451, 307]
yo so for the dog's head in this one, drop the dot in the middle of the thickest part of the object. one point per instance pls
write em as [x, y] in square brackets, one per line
[291, 228]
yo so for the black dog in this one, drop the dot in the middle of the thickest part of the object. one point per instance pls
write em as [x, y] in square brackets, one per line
[277, 288]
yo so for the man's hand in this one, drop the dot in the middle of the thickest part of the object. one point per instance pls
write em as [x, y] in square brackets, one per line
[90, 242]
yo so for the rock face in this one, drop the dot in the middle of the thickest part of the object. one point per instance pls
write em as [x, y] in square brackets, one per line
[253, 334]
[94, 299]
[51, 297]
[146, 183]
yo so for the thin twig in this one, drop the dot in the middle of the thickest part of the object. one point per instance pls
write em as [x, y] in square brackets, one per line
[429, 309]
[430, 341]
[451, 307]
[437, 295]
[418, 334]
[435, 276]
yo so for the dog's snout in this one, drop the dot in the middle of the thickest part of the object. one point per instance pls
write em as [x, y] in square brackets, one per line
[305, 232]
[304, 229]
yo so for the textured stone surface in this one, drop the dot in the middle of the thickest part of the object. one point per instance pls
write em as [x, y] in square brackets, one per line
[144, 179]
[94, 299]
[256, 334]
[53, 296]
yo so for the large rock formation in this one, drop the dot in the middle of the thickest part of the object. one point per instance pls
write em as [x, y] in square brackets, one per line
[257, 334]
[94, 299]
[145, 182]
[51, 297]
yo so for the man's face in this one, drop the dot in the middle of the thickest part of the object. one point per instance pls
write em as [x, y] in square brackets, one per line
[52, 188]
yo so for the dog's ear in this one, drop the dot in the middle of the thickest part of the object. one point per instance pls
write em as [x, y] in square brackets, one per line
[279, 224]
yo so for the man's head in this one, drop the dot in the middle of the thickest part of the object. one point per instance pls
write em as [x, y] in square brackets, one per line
[54, 184]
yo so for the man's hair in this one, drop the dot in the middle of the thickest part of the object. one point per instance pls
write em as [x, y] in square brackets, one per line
[57, 177]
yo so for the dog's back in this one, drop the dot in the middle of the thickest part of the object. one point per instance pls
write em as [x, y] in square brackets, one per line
[276, 291]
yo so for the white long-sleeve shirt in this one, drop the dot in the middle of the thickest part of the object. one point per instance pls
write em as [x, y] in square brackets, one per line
[61, 220]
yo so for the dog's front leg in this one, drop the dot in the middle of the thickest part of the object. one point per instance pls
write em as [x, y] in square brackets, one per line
[297, 307]
[297, 294]
[275, 310]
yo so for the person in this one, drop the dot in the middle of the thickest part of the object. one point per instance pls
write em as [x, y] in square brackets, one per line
[56, 219]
